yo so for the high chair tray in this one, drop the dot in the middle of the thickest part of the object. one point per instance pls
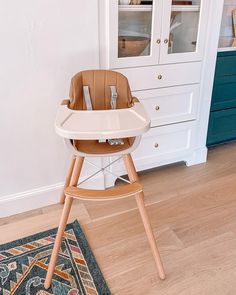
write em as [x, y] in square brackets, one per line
[102, 124]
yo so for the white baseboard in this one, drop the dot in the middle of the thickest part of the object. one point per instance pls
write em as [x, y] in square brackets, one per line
[30, 200]
[37, 198]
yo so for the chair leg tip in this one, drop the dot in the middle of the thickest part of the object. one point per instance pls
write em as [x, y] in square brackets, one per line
[162, 276]
[47, 285]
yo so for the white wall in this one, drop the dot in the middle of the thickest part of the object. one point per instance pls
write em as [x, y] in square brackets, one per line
[42, 44]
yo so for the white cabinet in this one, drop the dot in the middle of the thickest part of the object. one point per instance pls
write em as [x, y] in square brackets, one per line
[159, 33]
[167, 49]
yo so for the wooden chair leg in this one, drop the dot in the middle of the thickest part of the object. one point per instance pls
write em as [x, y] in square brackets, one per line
[68, 178]
[64, 217]
[133, 176]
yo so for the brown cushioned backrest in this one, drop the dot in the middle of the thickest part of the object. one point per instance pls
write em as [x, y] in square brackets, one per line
[99, 82]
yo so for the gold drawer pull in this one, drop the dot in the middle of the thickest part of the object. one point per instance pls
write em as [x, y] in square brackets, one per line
[156, 145]
[159, 77]
[157, 108]
[166, 41]
[158, 41]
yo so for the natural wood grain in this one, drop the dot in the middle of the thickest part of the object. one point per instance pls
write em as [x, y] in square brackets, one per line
[68, 178]
[193, 214]
[114, 193]
[77, 166]
[175, 181]
[139, 197]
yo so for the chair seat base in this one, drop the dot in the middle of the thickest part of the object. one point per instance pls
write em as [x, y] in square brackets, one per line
[114, 193]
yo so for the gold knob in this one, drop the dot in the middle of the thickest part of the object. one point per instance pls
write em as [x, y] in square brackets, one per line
[159, 77]
[158, 41]
[157, 108]
[166, 41]
[156, 145]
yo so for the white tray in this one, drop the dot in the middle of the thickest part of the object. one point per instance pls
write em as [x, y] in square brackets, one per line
[102, 124]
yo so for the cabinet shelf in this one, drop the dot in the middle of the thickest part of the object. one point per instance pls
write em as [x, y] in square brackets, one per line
[135, 7]
[185, 8]
[176, 8]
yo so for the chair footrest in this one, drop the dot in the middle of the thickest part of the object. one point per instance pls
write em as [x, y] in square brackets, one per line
[108, 194]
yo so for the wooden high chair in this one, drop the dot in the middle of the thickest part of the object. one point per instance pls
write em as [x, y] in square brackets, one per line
[101, 119]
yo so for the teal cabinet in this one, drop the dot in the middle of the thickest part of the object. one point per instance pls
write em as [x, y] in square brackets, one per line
[224, 93]
[222, 126]
[226, 64]
[222, 122]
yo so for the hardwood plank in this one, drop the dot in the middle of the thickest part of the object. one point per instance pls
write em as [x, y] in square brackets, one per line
[173, 181]
[199, 269]
[109, 256]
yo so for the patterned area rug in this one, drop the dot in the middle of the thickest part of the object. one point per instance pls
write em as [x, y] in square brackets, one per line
[24, 263]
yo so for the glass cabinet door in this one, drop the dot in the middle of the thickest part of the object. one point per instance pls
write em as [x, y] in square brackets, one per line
[135, 33]
[183, 32]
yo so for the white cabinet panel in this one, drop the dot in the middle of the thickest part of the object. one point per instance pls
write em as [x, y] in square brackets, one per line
[170, 105]
[163, 76]
[162, 145]
[164, 140]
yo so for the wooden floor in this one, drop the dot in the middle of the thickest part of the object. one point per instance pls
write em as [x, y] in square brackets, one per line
[193, 213]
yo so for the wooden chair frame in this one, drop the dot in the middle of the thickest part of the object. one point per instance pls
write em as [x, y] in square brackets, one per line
[66, 198]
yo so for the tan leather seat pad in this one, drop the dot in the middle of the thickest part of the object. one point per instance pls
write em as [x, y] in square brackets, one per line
[94, 147]
[99, 82]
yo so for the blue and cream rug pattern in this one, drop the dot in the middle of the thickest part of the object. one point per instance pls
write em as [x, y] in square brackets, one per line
[24, 263]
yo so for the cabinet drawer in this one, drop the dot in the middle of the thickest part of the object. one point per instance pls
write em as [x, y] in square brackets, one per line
[224, 93]
[161, 141]
[222, 126]
[161, 145]
[163, 75]
[226, 64]
[170, 105]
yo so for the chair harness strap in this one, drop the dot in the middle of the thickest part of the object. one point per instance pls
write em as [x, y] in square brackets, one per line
[114, 141]
[113, 97]
[87, 98]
